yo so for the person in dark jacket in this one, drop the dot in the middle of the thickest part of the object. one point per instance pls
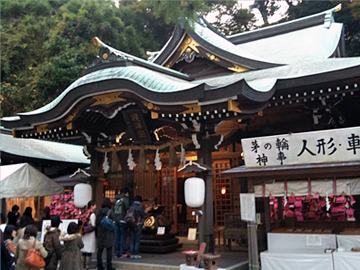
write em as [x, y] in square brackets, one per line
[135, 233]
[13, 215]
[71, 256]
[52, 243]
[121, 205]
[7, 261]
[105, 238]
[46, 215]
[26, 218]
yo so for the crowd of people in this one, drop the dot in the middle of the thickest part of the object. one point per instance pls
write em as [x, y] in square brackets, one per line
[72, 249]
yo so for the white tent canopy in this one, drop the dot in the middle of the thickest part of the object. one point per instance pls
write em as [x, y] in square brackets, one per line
[23, 180]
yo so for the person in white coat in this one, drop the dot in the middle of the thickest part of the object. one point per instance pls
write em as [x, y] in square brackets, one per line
[89, 237]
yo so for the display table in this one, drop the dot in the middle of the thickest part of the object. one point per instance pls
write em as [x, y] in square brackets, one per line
[301, 242]
[294, 260]
[346, 260]
[348, 241]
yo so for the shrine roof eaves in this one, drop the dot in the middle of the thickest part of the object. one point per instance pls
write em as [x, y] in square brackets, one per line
[115, 56]
[264, 80]
[256, 86]
[150, 80]
[223, 48]
[52, 151]
[243, 49]
[289, 48]
[213, 41]
[286, 27]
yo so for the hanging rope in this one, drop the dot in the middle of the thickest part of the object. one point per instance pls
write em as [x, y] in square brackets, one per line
[144, 147]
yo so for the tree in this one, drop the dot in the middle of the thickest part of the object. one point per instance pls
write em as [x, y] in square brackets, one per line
[231, 18]
[46, 45]
[267, 8]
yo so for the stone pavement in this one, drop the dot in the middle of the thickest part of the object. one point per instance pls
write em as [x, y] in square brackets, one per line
[237, 259]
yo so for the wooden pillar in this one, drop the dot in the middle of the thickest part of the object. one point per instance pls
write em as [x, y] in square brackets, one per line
[97, 185]
[244, 185]
[205, 157]
[280, 208]
[267, 214]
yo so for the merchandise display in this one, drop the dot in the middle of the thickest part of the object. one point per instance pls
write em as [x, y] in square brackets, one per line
[63, 206]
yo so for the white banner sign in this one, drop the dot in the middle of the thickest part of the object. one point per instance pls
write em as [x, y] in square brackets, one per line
[326, 146]
[62, 226]
[247, 207]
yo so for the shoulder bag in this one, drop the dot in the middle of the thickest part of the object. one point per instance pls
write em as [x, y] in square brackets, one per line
[88, 228]
[33, 258]
[108, 223]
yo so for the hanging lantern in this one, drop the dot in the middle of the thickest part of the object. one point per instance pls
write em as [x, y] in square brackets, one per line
[194, 189]
[82, 194]
[223, 190]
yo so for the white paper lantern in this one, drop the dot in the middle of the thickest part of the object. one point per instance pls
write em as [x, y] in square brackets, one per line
[194, 189]
[82, 195]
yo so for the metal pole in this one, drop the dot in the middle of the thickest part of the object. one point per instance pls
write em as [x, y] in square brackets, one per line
[253, 246]
[201, 227]
[249, 245]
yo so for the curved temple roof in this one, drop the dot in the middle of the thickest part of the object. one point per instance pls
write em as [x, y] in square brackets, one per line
[269, 46]
[116, 71]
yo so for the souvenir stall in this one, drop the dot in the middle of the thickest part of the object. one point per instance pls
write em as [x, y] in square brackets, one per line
[310, 192]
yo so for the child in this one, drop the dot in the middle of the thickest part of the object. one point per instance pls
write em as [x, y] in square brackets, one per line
[71, 256]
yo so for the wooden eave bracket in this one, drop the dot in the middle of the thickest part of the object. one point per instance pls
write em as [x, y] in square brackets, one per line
[233, 106]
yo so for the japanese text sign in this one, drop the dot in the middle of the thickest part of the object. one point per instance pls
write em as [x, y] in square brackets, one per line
[326, 146]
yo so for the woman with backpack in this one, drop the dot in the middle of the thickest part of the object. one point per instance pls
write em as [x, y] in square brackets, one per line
[105, 238]
[23, 246]
[135, 232]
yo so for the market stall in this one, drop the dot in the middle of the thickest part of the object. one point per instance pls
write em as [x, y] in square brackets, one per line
[22, 184]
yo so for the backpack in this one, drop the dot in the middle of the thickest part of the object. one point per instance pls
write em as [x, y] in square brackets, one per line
[130, 217]
[118, 206]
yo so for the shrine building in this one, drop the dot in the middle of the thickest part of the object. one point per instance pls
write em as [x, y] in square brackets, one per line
[195, 99]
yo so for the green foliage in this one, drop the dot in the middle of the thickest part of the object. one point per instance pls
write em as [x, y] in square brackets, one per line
[267, 8]
[46, 45]
[231, 18]
[179, 11]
